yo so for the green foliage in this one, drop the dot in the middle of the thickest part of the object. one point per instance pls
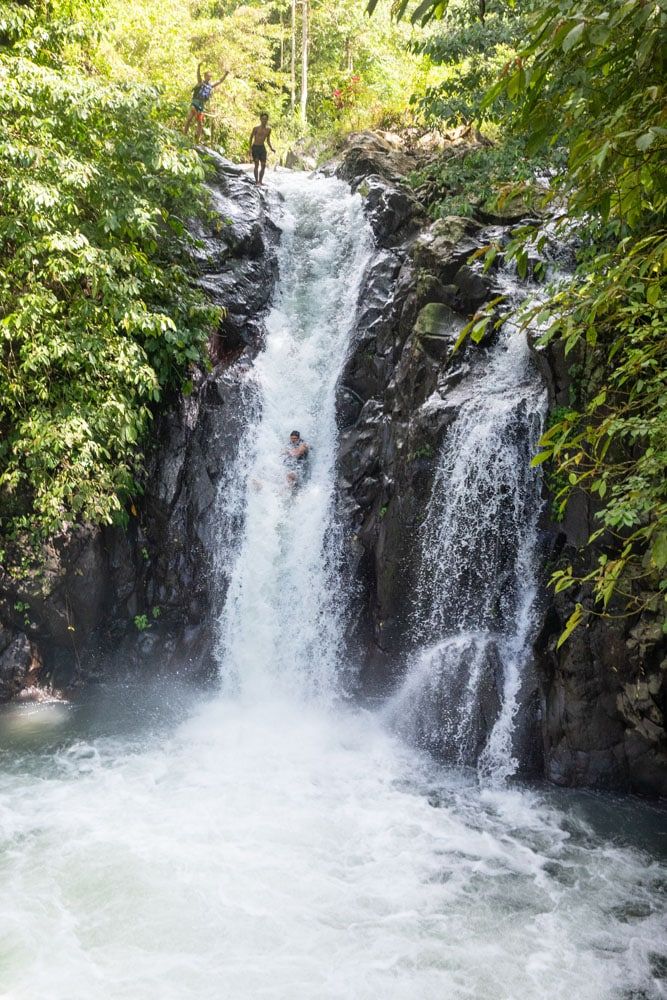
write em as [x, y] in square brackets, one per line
[555, 478]
[361, 70]
[472, 43]
[424, 451]
[592, 79]
[494, 178]
[97, 314]
[162, 43]
[614, 445]
[422, 11]
[468, 44]
[141, 623]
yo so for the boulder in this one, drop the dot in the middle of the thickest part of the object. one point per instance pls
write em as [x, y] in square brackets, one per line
[446, 246]
[19, 664]
[436, 329]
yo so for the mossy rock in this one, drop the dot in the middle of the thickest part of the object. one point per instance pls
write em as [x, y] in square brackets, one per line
[436, 329]
[507, 210]
[453, 228]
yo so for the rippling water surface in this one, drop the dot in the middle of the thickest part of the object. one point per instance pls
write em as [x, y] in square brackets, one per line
[278, 850]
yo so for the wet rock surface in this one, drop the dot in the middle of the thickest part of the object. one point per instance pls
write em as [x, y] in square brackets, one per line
[396, 397]
[599, 703]
[604, 692]
[137, 600]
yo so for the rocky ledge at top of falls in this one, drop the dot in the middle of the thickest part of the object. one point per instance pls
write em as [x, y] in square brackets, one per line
[595, 709]
[113, 602]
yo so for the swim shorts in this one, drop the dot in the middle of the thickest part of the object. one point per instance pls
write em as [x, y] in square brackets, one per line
[199, 110]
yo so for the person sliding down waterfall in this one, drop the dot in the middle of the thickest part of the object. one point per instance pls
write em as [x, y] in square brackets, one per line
[260, 134]
[296, 459]
[201, 94]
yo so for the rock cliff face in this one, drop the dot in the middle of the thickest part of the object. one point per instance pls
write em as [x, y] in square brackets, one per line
[132, 601]
[417, 297]
[604, 693]
[600, 701]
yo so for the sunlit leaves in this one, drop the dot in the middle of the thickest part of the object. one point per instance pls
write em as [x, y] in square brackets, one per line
[572, 622]
[98, 317]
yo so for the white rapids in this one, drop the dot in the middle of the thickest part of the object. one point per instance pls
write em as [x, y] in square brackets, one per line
[275, 842]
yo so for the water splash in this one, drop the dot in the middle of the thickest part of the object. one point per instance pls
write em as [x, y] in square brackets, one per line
[474, 615]
[280, 627]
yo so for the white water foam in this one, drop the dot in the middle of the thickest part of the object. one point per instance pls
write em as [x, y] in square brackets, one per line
[280, 627]
[288, 852]
[474, 613]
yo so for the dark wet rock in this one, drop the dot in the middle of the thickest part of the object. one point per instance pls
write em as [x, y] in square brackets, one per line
[20, 665]
[382, 154]
[473, 288]
[392, 210]
[598, 705]
[377, 167]
[402, 373]
[604, 692]
[604, 695]
[446, 245]
[236, 259]
[119, 601]
[394, 407]
[436, 330]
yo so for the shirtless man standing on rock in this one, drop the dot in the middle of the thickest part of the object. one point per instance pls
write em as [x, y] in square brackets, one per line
[260, 134]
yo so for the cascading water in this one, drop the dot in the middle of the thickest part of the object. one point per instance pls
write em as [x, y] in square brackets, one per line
[474, 607]
[280, 628]
[270, 845]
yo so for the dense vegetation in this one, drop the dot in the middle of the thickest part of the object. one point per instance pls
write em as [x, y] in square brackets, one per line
[593, 78]
[356, 71]
[583, 85]
[97, 314]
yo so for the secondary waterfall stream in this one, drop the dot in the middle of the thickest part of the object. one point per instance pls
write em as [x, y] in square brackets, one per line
[275, 840]
[474, 609]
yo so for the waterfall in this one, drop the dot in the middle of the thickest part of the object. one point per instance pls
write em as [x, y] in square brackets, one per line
[474, 609]
[280, 627]
[271, 841]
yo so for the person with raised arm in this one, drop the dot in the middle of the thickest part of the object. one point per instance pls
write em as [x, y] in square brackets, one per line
[201, 95]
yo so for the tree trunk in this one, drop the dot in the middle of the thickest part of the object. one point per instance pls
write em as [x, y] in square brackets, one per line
[293, 62]
[349, 61]
[482, 10]
[304, 62]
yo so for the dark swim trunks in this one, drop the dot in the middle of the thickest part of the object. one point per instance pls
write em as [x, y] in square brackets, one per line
[259, 153]
[199, 110]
